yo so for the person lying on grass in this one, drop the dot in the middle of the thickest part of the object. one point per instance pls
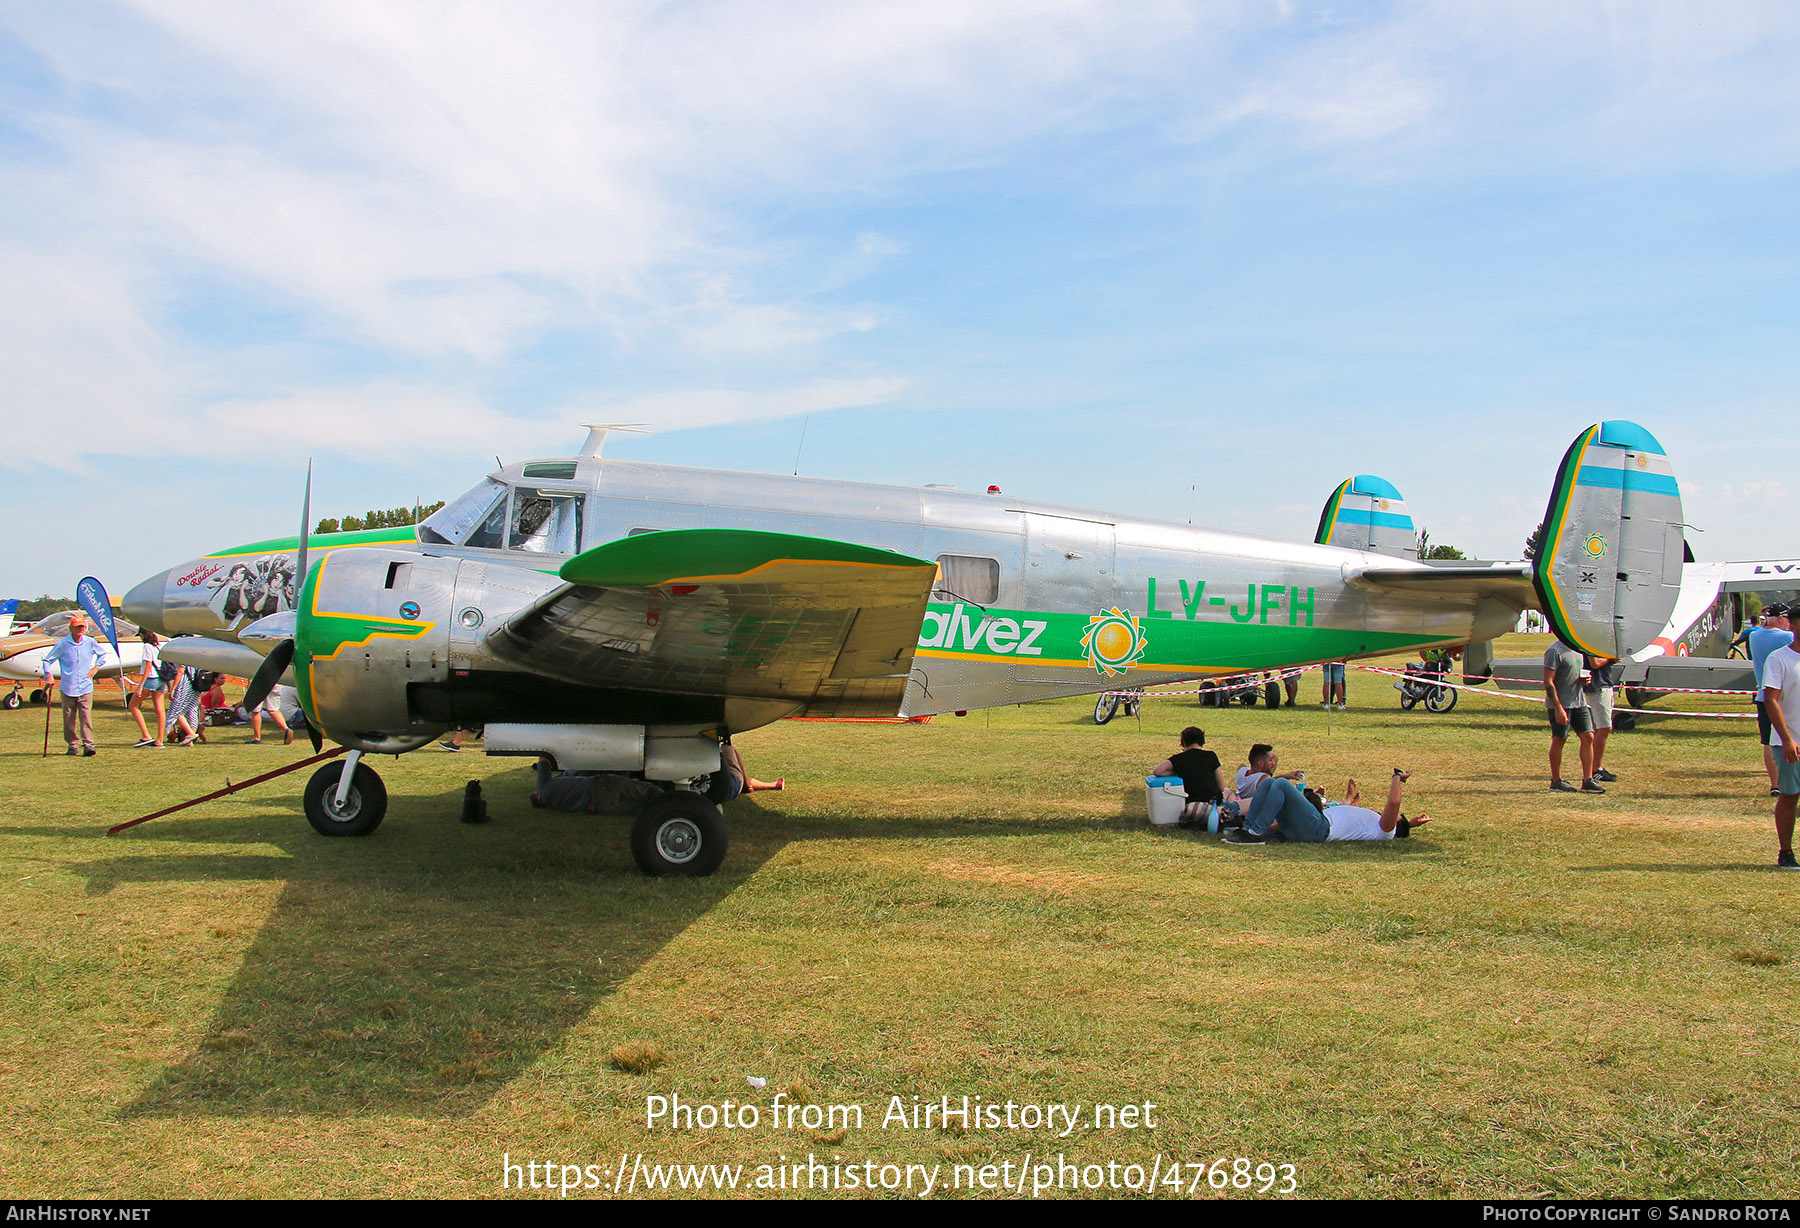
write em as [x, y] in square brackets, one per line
[1282, 810]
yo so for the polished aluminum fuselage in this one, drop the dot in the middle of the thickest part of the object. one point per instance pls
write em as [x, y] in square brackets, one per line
[1198, 602]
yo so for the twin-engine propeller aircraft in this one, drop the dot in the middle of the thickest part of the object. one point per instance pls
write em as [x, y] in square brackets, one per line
[624, 617]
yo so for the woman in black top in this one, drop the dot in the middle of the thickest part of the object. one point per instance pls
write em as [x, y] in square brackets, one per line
[1200, 771]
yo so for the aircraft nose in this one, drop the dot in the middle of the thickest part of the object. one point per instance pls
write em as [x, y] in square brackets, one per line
[143, 605]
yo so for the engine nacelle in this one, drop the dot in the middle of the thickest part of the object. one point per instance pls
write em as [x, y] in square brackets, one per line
[372, 623]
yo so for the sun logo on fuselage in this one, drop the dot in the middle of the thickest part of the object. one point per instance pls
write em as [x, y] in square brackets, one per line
[1113, 641]
[1595, 546]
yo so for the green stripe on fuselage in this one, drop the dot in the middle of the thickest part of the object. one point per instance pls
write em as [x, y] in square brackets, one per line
[964, 632]
[323, 541]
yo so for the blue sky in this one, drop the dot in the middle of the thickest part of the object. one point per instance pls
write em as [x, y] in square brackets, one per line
[1168, 259]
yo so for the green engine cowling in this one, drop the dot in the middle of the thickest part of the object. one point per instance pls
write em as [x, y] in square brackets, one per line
[370, 624]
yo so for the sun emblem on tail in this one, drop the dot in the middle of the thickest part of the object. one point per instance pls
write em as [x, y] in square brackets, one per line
[1594, 546]
[1113, 641]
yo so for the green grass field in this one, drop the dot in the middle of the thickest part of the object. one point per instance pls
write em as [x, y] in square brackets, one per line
[1540, 995]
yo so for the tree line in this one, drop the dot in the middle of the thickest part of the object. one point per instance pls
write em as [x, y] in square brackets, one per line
[393, 517]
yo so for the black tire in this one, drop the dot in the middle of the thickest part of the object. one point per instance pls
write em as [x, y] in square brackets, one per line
[1248, 698]
[1131, 706]
[1440, 699]
[1407, 700]
[1272, 695]
[12, 702]
[363, 809]
[37, 696]
[1105, 708]
[681, 834]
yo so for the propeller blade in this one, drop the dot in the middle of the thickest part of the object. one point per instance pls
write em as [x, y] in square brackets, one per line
[305, 529]
[268, 674]
[312, 731]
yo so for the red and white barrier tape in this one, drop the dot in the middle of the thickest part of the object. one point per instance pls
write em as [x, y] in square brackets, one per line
[1223, 682]
[1429, 680]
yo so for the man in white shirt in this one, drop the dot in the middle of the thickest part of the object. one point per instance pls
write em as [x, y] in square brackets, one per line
[1781, 700]
[1354, 821]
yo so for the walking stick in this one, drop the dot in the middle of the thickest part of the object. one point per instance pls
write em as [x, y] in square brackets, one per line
[46, 721]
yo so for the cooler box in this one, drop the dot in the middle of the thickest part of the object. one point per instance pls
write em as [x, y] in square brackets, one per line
[1164, 796]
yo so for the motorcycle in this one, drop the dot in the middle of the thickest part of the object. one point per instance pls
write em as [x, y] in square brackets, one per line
[1107, 706]
[1425, 682]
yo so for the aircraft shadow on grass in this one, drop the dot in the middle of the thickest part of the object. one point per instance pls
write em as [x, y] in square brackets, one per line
[418, 971]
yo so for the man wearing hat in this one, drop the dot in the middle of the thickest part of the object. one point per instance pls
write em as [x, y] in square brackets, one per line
[81, 657]
[1775, 632]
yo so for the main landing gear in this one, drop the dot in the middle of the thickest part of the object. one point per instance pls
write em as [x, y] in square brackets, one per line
[681, 833]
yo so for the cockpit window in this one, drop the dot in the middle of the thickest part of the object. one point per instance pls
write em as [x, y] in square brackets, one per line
[489, 535]
[452, 523]
[545, 522]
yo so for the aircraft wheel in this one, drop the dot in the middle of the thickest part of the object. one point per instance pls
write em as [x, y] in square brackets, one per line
[1624, 720]
[1272, 695]
[12, 702]
[1131, 706]
[1105, 708]
[362, 810]
[681, 834]
[1440, 699]
[37, 696]
[1407, 700]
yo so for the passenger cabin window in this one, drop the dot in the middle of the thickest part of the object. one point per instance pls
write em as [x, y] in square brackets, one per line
[964, 578]
[545, 522]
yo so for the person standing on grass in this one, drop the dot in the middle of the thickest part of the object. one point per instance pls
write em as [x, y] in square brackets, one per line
[1775, 633]
[1603, 681]
[80, 657]
[150, 683]
[1333, 672]
[1781, 697]
[1564, 702]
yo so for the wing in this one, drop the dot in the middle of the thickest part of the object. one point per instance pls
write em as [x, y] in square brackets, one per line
[1511, 582]
[826, 628]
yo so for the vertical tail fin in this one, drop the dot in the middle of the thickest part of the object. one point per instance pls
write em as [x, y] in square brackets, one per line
[1608, 562]
[1366, 513]
[8, 609]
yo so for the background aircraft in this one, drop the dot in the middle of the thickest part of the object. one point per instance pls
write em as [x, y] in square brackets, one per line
[623, 617]
[22, 655]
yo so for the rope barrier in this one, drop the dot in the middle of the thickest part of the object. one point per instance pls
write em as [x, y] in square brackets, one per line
[1225, 682]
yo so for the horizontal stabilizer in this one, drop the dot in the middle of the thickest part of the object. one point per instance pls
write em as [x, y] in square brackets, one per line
[1367, 513]
[1609, 561]
[1509, 581]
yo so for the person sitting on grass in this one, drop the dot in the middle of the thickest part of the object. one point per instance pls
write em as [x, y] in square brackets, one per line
[1201, 774]
[1281, 810]
[741, 780]
[1262, 762]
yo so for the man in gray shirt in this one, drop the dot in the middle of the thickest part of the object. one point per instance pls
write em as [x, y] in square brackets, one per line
[1567, 708]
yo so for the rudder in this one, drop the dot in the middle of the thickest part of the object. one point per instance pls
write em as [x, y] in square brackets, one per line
[1367, 513]
[1608, 562]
